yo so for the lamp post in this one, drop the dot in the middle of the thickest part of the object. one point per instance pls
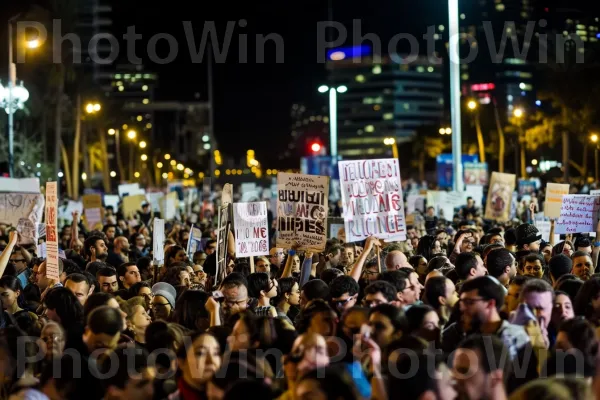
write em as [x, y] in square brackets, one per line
[594, 139]
[392, 142]
[518, 113]
[131, 135]
[472, 106]
[333, 91]
[454, 51]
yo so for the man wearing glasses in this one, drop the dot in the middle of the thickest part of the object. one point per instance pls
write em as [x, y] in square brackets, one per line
[344, 293]
[21, 258]
[480, 302]
[276, 256]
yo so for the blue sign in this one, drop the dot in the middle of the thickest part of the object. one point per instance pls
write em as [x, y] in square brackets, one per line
[320, 165]
[445, 168]
[342, 53]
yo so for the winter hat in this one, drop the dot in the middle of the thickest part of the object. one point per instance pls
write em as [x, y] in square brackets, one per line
[560, 265]
[165, 290]
[527, 233]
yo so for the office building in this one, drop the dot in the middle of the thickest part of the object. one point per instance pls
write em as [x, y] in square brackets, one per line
[384, 99]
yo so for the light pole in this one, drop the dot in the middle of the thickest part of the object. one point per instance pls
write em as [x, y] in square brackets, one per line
[392, 142]
[472, 106]
[333, 91]
[131, 136]
[454, 51]
[594, 139]
[518, 114]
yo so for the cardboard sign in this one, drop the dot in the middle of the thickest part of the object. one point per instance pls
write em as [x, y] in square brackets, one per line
[251, 229]
[372, 199]
[499, 200]
[578, 214]
[52, 271]
[302, 208]
[222, 239]
[554, 194]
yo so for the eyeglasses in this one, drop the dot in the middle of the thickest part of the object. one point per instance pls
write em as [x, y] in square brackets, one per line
[372, 303]
[53, 338]
[470, 302]
[341, 303]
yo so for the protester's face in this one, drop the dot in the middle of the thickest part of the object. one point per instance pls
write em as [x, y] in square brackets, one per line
[108, 284]
[583, 267]
[294, 298]
[110, 233]
[371, 273]
[344, 302]
[374, 299]
[19, 261]
[451, 294]
[184, 279]
[475, 310]
[567, 250]
[81, 290]
[313, 350]
[547, 253]
[140, 241]
[161, 308]
[100, 250]
[587, 249]
[277, 256]
[113, 303]
[41, 280]
[138, 386]
[511, 301]
[541, 304]
[146, 293]
[348, 256]
[563, 309]
[210, 249]
[533, 268]
[8, 297]
[352, 323]
[240, 337]
[445, 383]
[236, 300]
[310, 389]
[52, 341]
[140, 318]
[468, 244]
[430, 327]
[263, 266]
[323, 323]
[471, 380]
[295, 264]
[562, 342]
[422, 267]
[497, 239]
[335, 259]
[125, 246]
[412, 292]
[411, 233]
[132, 276]
[203, 359]
[437, 247]
[97, 341]
[481, 270]
[381, 328]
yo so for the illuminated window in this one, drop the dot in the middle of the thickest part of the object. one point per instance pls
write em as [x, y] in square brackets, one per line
[121, 88]
[436, 36]
[441, 28]
[430, 69]
[406, 106]
[377, 70]
[464, 77]
[369, 128]
[463, 16]
[500, 7]
[145, 101]
[360, 78]
[145, 88]
[420, 69]
[377, 107]
[388, 116]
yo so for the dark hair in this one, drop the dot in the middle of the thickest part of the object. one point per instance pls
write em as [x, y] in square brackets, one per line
[190, 310]
[130, 360]
[284, 285]
[580, 253]
[66, 305]
[425, 246]
[396, 278]
[172, 275]
[334, 249]
[436, 263]
[434, 288]
[95, 266]
[106, 320]
[314, 307]
[510, 237]
[89, 243]
[491, 350]
[421, 379]
[241, 388]
[134, 289]
[582, 241]
[582, 336]
[343, 284]
[242, 268]
[571, 287]
[497, 260]
[94, 301]
[70, 267]
[334, 382]
[315, 289]
[558, 248]
[106, 272]
[533, 257]
[414, 316]
[464, 263]
[122, 269]
[414, 260]
[395, 315]
[171, 253]
[559, 265]
[330, 274]
[78, 278]
[583, 301]
[257, 282]
[234, 279]
[487, 288]
[386, 289]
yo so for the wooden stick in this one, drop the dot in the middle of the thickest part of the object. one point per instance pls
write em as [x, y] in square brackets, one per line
[251, 264]
[378, 258]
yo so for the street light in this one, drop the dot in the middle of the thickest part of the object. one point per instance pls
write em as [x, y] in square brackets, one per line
[159, 164]
[392, 142]
[472, 106]
[333, 91]
[518, 113]
[111, 131]
[143, 145]
[144, 157]
[167, 156]
[91, 108]
[594, 139]
[33, 44]
[131, 134]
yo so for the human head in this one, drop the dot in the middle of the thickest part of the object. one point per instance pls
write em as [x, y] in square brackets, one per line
[103, 329]
[262, 264]
[379, 292]
[42, 280]
[528, 237]
[558, 266]
[514, 291]
[583, 244]
[80, 286]
[396, 259]
[481, 299]
[325, 383]
[199, 361]
[127, 374]
[343, 292]
[163, 301]
[349, 254]
[11, 293]
[469, 266]
[63, 307]
[235, 291]
[334, 255]
[129, 274]
[534, 265]
[107, 279]
[502, 265]
[288, 291]
[583, 267]
[95, 248]
[313, 289]
[387, 323]
[539, 296]
[440, 291]
[276, 256]
[429, 378]
[423, 322]
[309, 351]
[318, 317]
[121, 245]
[563, 308]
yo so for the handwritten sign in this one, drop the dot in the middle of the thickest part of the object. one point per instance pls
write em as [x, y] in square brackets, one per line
[223, 224]
[372, 199]
[194, 242]
[554, 194]
[251, 229]
[158, 240]
[500, 196]
[578, 214]
[52, 231]
[302, 208]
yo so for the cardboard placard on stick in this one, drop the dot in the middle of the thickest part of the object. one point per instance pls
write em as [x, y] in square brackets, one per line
[500, 196]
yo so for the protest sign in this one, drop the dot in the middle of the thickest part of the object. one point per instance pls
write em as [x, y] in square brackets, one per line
[544, 228]
[302, 208]
[475, 173]
[52, 271]
[554, 194]
[158, 240]
[578, 214]
[222, 239]
[22, 211]
[194, 242]
[499, 200]
[415, 202]
[251, 229]
[372, 199]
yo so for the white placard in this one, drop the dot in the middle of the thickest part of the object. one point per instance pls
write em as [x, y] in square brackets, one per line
[251, 229]
[52, 271]
[554, 194]
[158, 239]
[578, 214]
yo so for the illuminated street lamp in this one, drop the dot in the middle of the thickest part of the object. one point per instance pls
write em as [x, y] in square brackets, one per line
[143, 145]
[144, 157]
[392, 142]
[594, 139]
[92, 108]
[131, 134]
[333, 91]
[472, 106]
[518, 113]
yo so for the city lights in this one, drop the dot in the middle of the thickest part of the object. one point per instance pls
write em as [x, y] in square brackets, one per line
[91, 108]
[143, 145]
[518, 113]
[167, 156]
[136, 174]
[131, 134]
[113, 174]
[159, 165]
[32, 44]
[111, 131]
[472, 104]
[144, 157]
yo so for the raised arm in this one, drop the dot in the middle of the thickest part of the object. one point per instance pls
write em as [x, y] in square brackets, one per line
[74, 230]
[306, 268]
[5, 256]
[357, 268]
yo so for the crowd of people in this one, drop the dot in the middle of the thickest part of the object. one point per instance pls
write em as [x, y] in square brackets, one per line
[467, 309]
